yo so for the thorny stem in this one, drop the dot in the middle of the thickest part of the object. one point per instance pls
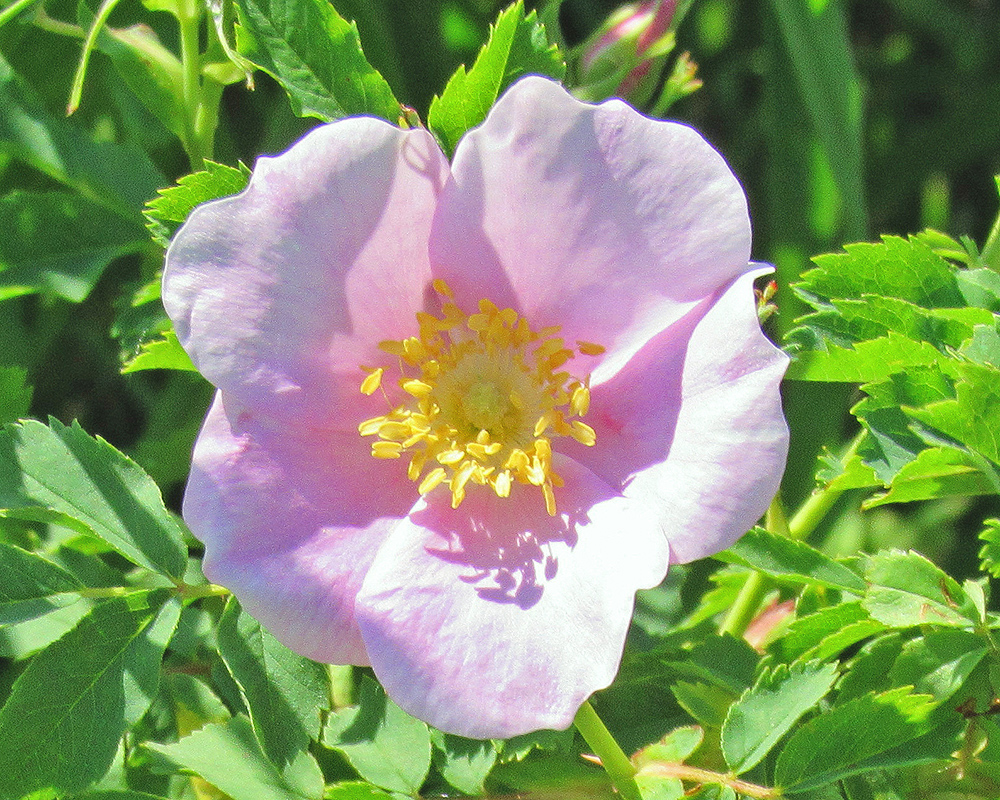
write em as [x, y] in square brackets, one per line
[618, 766]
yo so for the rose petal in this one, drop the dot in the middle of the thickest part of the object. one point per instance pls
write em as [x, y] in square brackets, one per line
[591, 217]
[290, 523]
[280, 292]
[693, 426]
[496, 619]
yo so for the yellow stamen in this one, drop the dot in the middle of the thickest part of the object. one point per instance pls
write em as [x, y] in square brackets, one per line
[484, 398]
[372, 381]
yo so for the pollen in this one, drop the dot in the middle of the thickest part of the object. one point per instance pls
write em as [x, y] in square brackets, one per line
[484, 396]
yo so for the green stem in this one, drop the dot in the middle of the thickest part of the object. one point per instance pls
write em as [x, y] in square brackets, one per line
[991, 250]
[14, 9]
[819, 503]
[88, 47]
[755, 588]
[691, 774]
[189, 19]
[618, 766]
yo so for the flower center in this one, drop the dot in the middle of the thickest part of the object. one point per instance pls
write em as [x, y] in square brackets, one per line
[485, 396]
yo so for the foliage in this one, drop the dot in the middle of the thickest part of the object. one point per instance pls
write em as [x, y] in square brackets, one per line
[848, 651]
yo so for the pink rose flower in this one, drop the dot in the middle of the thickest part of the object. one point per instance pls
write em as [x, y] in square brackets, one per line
[551, 349]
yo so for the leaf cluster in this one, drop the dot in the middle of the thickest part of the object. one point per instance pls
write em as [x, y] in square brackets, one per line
[915, 322]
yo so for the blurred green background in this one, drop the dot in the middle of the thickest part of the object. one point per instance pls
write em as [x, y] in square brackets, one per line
[844, 120]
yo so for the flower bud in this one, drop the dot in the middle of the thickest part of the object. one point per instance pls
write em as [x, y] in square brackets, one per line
[625, 56]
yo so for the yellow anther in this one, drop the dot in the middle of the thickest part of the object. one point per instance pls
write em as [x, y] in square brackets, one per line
[583, 433]
[450, 457]
[433, 479]
[417, 388]
[395, 431]
[550, 499]
[371, 426]
[501, 483]
[372, 381]
[382, 449]
[442, 288]
[589, 348]
[579, 401]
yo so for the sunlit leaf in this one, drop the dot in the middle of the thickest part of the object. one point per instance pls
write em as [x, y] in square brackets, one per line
[518, 46]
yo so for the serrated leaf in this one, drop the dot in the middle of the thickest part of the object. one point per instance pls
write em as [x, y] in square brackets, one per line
[60, 243]
[786, 559]
[61, 469]
[907, 589]
[228, 756]
[464, 763]
[284, 692]
[826, 632]
[383, 743]
[939, 662]
[972, 418]
[15, 394]
[165, 212]
[907, 269]
[768, 711]
[518, 46]
[837, 743]
[315, 54]
[933, 473]
[865, 361]
[31, 586]
[67, 711]
[164, 353]
[989, 553]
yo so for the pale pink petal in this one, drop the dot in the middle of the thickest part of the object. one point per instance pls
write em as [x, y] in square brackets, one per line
[290, 522]
[693, 426]
[281, 292]
[496, 619]
[591, 217]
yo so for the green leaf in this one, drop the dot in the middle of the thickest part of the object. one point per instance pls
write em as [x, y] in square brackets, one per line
[938, 663]
[826, 632]
[315, 54]
[384, 744]
[60, 243]
[518, 46]
[972, 417]
[464, 763]
[164, 353]
[31, 586]
[15, 394]
[865, 361]
[768, 711]
[150, 70]
[837, 744]
[989, 553]
[935, 472]
[354, 790]
[907, 589]
[67, 711]
[165, 212]
[284, 692]
[706, 703]
[62, 469]
[907, 269]
[785, 559]
[228, 756]
[117, 177]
